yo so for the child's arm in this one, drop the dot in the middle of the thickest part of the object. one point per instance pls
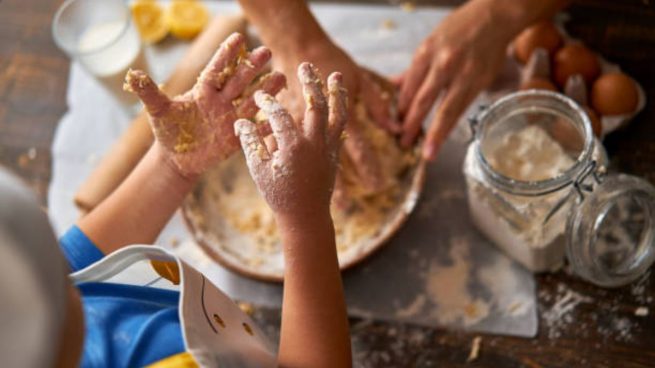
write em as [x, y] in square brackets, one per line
[296, 179]
[193, 132]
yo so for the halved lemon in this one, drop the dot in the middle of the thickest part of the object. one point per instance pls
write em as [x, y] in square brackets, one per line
[149, 19]
[186, 18]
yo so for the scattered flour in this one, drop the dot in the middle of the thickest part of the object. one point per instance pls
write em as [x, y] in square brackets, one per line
[447, 289]
[640, 289]
[619, 329]
[610, 322]
[460, 293]
[560, 315]
[500, 280]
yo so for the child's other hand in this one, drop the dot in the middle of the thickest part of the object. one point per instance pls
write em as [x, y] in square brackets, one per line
[196, 129]
[297, 178]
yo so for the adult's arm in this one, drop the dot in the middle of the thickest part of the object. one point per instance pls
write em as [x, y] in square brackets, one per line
[293, 34]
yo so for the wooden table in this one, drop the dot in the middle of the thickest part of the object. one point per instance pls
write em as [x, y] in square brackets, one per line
[603, 331]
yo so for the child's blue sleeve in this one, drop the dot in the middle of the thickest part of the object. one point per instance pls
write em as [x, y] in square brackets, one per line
[78, 249]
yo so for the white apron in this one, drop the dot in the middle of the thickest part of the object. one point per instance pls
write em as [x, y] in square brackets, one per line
[215, 330]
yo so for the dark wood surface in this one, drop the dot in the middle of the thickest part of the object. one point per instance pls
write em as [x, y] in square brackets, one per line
[602, 331]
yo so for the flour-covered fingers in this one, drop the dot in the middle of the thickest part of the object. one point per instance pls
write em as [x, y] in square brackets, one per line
[155, 101]
[247, 69]
[338, 109]
[316, 108]
[224, 61]
[284, 129]
[252, 144]
[271, 83]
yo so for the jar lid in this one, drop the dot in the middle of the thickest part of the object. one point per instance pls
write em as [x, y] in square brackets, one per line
[611, 235]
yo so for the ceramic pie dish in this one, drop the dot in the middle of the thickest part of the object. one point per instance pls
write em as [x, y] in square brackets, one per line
[232, 223]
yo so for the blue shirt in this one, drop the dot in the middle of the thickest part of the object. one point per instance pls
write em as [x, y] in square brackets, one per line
[126, 325]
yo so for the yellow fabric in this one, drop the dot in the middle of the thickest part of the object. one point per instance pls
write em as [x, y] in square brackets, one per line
[181, 360]
[167, 270]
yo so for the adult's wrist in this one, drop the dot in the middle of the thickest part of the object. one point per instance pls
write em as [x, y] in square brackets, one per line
[505, 18]
[516, 15]
[298, 41]
[293, 29]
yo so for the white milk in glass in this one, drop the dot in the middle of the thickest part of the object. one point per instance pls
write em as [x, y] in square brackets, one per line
[107, 50]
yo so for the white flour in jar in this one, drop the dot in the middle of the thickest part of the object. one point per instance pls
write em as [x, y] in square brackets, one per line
[516, 224]
[529, 154]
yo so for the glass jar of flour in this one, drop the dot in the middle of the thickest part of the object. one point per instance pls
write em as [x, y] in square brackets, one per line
[537, 188]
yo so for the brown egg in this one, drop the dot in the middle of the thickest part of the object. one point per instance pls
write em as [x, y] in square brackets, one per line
[575, 59]
[538, 83]
[542, 34]
[596, 125]
[614, 94]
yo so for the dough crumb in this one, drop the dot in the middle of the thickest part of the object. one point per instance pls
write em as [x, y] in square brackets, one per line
[641, 312]
[389, 24]
[475, 349]
[31, 153]
[26, 158]
[408, 6]
[246, 308]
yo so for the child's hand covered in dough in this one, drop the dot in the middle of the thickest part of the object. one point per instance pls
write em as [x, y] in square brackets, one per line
[297, 178]
[196, 129]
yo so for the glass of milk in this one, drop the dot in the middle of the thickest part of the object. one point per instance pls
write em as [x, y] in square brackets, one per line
[100, 35]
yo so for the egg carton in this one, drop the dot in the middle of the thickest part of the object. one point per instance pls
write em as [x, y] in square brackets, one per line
[610, 122]
[515, 72]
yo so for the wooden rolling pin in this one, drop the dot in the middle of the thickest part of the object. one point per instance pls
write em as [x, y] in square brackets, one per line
[126, 153]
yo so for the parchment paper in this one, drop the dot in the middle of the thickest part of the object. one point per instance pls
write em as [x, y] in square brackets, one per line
[437, 271]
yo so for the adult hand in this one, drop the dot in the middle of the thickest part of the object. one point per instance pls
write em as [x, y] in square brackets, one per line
[461, 57]
[196, 129]
[297, 177]
[361, 85]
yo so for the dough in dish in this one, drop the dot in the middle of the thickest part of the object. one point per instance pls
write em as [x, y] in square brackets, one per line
[227, 214]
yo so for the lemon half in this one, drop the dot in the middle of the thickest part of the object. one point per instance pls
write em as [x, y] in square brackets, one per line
[186, 18]
[149, 19]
